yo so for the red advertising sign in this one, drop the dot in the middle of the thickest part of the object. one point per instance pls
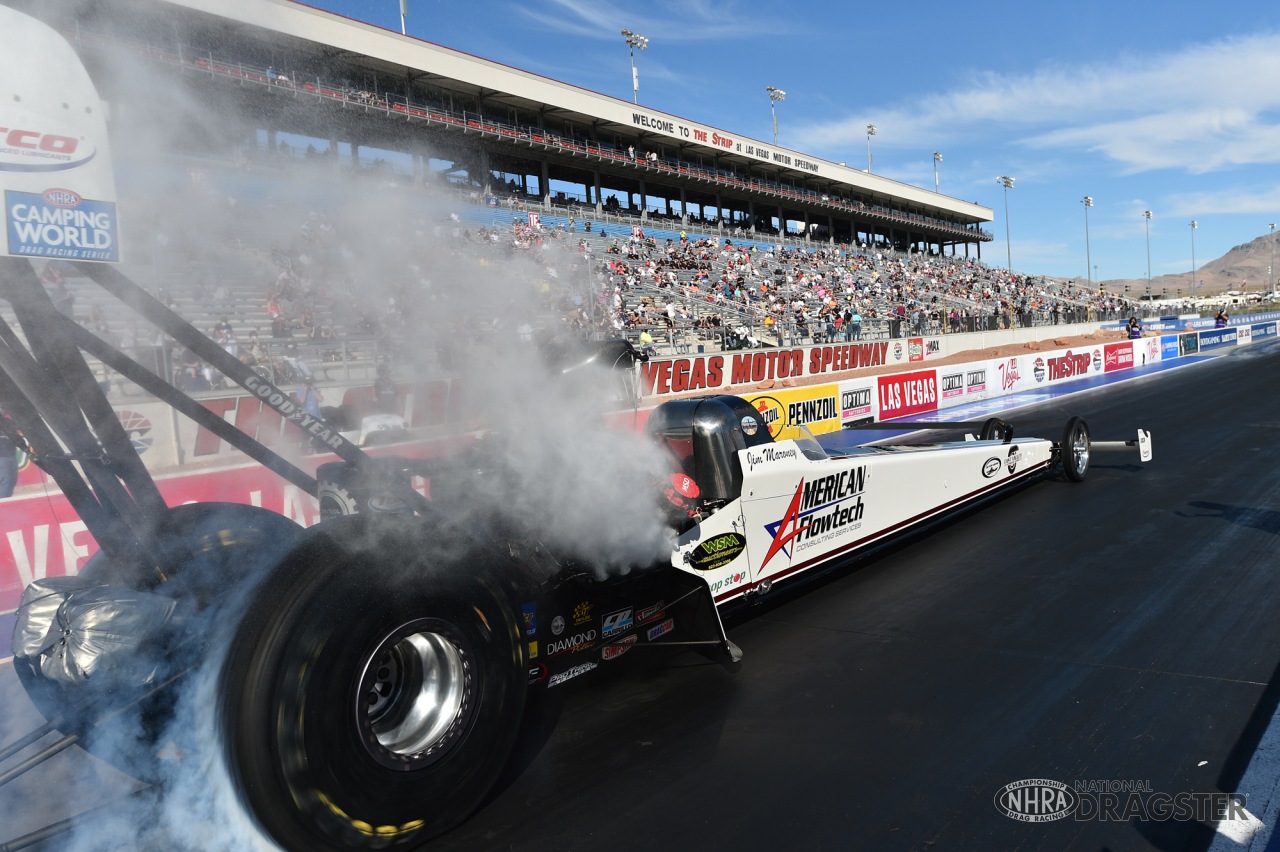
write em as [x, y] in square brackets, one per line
[1118, 356]
[902, 394]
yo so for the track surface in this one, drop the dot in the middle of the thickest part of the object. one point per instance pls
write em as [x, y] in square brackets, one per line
[1120, 629]
[1124, 628]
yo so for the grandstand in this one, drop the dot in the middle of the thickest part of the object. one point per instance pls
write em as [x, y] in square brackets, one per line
[680, 245]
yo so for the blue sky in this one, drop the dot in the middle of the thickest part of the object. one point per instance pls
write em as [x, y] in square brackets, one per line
[1171, 107]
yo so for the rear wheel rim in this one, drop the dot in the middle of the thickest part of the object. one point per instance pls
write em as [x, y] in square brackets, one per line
[1080, 450]
[416, 694]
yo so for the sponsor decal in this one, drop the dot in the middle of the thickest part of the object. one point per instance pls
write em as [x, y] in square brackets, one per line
[717, 552]
[990, 467]
[537, 673]
[749, 425]
[1168, 347]
[1189, 344]
[616, 622]
[572, 644]
[952, 385]
[902, 394]
[1036, 800]
[1217, 338]
[768, 455]
[582, 613]
[1097, 360]
[651, 613]
[812, 411]
[533, 650]
[1037, 370]
[770, 414]
[975, 381]
[897, 351]
[1040, 800]
[1009, 375]
[617, 649]
[1069, 365]
[557, 625]
[530, 613]
[932, 347]
[915, 349]
[570, 674]
[685, 486]
[60, 223]
[726, 583]
[661, 629]
[1015, 456]
[138, 427]
[29, 144]
[820, 510]
[855, 403]
[1117, 356]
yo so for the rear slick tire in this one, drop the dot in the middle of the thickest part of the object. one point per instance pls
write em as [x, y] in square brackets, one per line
[374, 690]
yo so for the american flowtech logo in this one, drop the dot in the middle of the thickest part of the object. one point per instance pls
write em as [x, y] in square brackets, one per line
[828, 506]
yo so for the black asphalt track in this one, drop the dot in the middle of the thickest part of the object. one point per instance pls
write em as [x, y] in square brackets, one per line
[1122, 629]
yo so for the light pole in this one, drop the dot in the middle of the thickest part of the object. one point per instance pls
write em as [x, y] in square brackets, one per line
[404, 13]
[1146, 216]
[1087, 201]
[1194, 225]
[871, 131]
[635, 40]
[775, 95]
[1007, 183]
[1272, 226]
[937, 158]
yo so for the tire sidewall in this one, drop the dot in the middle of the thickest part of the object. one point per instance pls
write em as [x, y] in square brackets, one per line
[291, 714]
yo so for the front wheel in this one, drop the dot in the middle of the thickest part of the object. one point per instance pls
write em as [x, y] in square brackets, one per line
[374, 691]
[1075, 449]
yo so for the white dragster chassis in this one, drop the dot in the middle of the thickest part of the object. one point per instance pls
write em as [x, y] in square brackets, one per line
[802, 508]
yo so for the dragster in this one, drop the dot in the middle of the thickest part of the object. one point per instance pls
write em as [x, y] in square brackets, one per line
[373, 671]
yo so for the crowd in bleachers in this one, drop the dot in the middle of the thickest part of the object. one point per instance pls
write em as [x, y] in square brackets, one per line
[712, 289]
[289, 293]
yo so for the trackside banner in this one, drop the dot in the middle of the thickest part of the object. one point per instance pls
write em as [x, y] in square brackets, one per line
[724, 369]
[40, 535]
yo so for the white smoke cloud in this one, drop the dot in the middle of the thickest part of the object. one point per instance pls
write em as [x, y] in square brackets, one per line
[394, 253]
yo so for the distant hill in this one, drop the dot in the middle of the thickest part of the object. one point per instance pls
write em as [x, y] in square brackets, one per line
[1244, 268]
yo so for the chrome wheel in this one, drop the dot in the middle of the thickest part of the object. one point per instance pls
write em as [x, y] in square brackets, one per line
[416, 693]
[1075, 449]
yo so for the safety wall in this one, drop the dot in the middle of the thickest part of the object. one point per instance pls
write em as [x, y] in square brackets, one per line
[41, 536]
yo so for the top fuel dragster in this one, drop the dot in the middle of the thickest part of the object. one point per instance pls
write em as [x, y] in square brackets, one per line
[372, 671]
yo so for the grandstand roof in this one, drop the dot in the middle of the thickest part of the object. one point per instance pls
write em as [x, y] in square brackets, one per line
[391, 53]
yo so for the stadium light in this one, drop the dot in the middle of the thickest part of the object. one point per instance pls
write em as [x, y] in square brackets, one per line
[1272, 226]
[1146, 216]
[1007, 183]
[937, 158]
[635, 40]
[871, 131]
[775, 95]
[1194, 225]
[1087, 201]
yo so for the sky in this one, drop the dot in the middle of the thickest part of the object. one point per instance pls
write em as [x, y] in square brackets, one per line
[1170, 107]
